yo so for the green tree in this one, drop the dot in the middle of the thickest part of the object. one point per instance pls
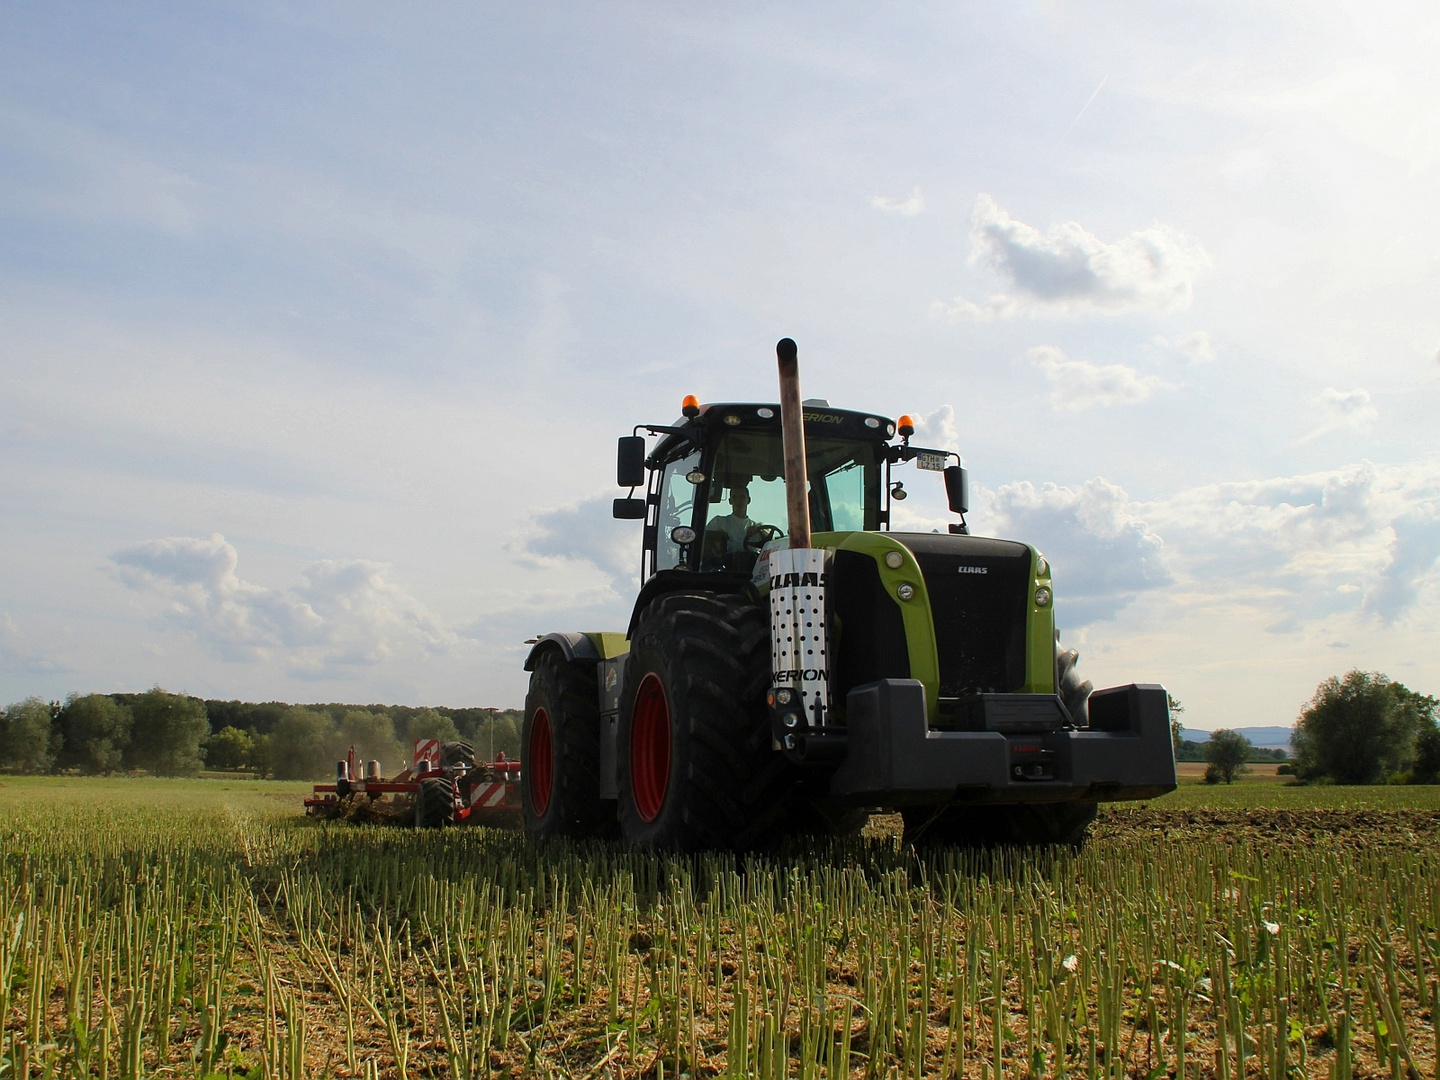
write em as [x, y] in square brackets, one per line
[1177, 729]
[429, 724]
[1360, 729]
[1225, 754]
[229, 748]
[96, 731]
[27, 741]
[302, 745]
[1426, 769]
[167, 732]
[261, 758]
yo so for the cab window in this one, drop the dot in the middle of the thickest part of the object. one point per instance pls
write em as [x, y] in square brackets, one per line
[747, 508]
[677, 507]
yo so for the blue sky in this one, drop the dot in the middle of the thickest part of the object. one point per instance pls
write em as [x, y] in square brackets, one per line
[318, 322]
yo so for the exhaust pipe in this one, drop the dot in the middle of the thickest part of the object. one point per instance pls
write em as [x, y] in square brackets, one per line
[792, 434]
[799, 697]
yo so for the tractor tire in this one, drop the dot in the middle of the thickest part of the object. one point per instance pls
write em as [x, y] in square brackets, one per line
[560, 774]
[1073, 691]
[694, 757]
[1022, 825]
[457, 754]
[434, 803]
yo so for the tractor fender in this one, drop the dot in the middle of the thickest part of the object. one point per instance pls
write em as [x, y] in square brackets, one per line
[668, 581]
[572, 646]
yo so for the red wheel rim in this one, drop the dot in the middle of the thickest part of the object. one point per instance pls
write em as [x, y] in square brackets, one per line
[540, 761]
[650, 748]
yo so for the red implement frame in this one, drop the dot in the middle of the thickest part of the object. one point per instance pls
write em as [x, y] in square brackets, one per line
[487, 794]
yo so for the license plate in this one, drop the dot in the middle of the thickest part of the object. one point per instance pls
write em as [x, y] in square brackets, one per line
[932, 461]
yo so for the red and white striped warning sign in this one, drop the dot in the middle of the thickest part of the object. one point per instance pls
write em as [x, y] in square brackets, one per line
[428, 750]
[487, 795]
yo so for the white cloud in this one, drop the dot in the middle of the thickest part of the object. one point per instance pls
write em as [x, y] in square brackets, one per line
[345, 614]
[1196, 347]
[1374, 104]
[1293, 549]
[1069, 269]
[1345, 546]
[1103, 552]
[1079, 384]
[938, 429]
[586, 533]
[18, 653]
[909, 207]
[1413, 555]
[1345, 410]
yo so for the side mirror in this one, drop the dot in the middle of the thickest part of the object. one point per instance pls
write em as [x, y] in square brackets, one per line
[630, 509]
[957, 488]
[630, 462]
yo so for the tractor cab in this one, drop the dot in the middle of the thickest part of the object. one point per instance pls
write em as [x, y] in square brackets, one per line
[716, 481]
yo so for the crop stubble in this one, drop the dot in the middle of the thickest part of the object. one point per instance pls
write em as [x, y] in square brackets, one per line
[224, 938]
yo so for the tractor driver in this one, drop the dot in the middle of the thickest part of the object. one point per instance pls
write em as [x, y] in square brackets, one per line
[725, 536]
[734, 525]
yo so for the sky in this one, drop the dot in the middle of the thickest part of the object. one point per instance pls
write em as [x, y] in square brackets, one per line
[318, 322]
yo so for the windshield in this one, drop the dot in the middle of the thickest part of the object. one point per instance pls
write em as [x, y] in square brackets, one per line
[746, 506]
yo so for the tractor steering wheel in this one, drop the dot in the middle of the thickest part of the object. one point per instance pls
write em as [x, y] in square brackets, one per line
[757, 536]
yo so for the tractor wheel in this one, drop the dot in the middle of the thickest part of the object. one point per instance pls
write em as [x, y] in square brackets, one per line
[560, 755]
[1073, 691]
[457, 754]
[695, 763]
[434, 803]
[1023, 825]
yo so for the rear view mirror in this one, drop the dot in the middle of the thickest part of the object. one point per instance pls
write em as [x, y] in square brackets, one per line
[630, 509]
[630, 462]
[957, 488]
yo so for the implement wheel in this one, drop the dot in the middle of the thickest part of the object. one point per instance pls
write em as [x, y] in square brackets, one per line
[560, 751]
[1025, 825]
[434, 803]
[695, 765]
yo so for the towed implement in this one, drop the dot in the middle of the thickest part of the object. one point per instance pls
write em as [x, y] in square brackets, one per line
[792, 664]
[443, 785]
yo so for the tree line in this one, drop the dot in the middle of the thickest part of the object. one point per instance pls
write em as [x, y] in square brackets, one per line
[168, 734]
[1358, 728]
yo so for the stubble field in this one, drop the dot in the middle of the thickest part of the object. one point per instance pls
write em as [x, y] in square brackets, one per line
[204, 927]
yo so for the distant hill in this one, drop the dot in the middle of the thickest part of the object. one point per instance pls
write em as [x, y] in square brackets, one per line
[1271, 738]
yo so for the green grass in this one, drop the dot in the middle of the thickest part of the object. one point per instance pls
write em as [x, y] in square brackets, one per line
[86, 791]
[159, 927]
[1255, 792]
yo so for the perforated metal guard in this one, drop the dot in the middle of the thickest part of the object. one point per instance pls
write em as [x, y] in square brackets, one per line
[798, 654]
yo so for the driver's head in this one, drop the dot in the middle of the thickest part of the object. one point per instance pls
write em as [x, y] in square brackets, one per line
[739, 499]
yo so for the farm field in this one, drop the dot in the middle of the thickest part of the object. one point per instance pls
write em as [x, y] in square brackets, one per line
[188, 928]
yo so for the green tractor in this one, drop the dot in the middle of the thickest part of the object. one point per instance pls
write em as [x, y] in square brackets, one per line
[792, 665]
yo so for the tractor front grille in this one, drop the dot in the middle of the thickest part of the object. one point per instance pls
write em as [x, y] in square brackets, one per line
[868, 632]
[979, 595]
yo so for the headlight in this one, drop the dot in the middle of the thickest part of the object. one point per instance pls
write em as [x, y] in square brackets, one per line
[894, 560]
[1042, 597]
